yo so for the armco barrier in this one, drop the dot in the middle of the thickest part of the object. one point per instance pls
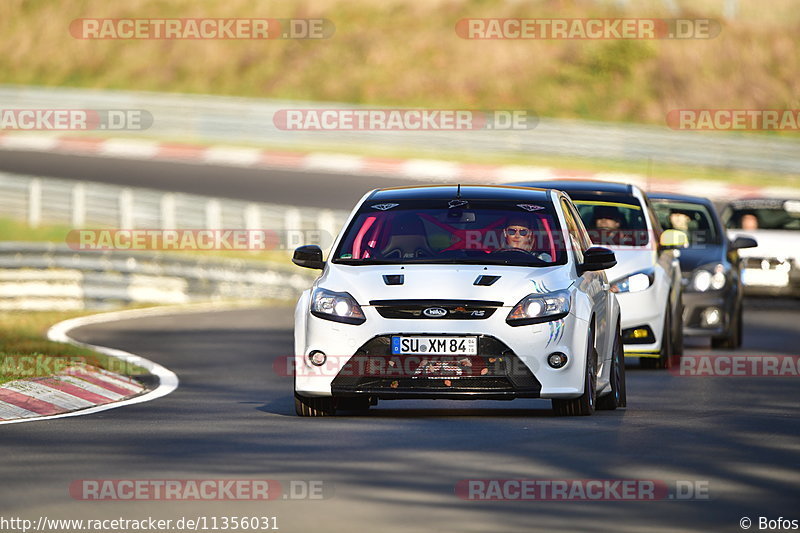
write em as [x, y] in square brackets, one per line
[216, 119]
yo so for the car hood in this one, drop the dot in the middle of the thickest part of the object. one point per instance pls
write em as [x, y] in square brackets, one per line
[691, 258]
[630, 261]
[443, 282]
[771, 243]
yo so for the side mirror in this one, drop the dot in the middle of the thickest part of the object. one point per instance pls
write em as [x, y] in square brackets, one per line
[309, 256]
[743, 242]
[597, 258]
[673, 239]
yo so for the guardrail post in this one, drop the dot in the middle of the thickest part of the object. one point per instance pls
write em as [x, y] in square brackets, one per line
[326, 228]
[213, 214]
[167, 211]
[34, 202]
[126, 209]
[252, 217]
[292, 228]
[78, 205]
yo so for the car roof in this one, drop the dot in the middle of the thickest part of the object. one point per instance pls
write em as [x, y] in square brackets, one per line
[466, 192]
[755, 202]
[574, 185]
[689, 199]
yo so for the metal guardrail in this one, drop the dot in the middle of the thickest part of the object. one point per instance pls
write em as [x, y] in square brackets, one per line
[55, 276]
[78, 204]
[236, 120]
[37, 276]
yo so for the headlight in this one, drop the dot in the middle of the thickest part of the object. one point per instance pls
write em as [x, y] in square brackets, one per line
[635, 282]
[537, 308]
[709, 277]
[337, 306]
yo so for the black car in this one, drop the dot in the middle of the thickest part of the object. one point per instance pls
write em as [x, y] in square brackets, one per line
[712, 284]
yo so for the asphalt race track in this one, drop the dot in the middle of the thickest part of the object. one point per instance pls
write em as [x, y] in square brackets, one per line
[396, 467]
[277, 186]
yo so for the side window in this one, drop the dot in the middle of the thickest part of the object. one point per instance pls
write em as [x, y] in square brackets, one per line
[581, 228]
[576, 242]
[657, 228]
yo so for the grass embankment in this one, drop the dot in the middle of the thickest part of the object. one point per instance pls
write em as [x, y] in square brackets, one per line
[25, 351]
[407, 53]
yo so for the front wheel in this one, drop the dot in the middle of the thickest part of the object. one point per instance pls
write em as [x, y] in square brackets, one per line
[618, 396]
[733, 338]
[584, 404]
[664, 359]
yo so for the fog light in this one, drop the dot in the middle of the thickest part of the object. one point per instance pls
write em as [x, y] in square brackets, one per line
[557, 360]
[640, 333]
[711, 316]
[317, 358]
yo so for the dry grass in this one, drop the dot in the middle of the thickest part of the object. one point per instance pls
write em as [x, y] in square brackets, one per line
[407, 53]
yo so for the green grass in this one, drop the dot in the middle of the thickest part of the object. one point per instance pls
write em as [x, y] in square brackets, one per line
[407, 53]
[25, 351]
[14, 230]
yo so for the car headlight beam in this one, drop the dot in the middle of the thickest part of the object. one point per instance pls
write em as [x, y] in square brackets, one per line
[336, 306]
[637, 282]
[709, 278]
[538, 308]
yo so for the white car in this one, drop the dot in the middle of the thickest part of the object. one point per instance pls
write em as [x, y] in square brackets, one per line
[773, 266]
[459, 292]
[647, 277]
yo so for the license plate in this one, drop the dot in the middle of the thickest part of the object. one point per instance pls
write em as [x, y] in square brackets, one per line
[768, 278]
[435, 345]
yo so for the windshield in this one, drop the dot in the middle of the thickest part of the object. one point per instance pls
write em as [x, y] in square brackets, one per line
[454, 232]
[612, 220]
[695, 220]
[753, 215]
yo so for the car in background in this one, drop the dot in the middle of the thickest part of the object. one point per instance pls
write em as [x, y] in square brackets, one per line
[647, 277]
[460, 292]
[772, 267]
[710, 265]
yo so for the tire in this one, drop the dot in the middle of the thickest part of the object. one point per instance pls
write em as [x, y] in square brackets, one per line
[677, 343]
[665, 358]
[305, 406]
[733, 338]
[618, 396]
[583, 405]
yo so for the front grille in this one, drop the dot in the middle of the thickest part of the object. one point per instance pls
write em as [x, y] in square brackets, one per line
[495, 372]
[436, 309]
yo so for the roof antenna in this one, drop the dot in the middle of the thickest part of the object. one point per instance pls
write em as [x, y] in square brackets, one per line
[458, 192]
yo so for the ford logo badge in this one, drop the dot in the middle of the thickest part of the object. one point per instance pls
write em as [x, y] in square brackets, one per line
[435, 312]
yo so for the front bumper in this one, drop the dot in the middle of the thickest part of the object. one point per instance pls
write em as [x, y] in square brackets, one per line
[515, 358]
[642, 310]
[696, 304]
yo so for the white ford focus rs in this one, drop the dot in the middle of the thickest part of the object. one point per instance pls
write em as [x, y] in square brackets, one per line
[473, 292]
